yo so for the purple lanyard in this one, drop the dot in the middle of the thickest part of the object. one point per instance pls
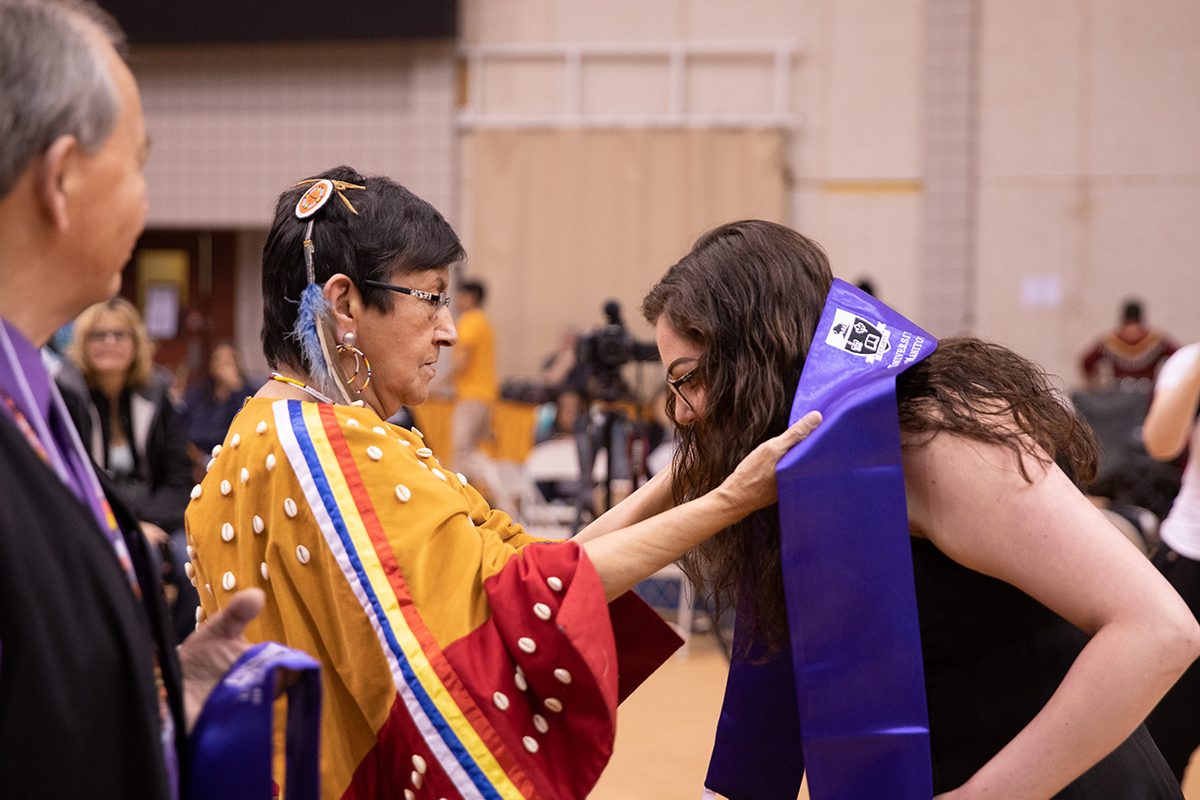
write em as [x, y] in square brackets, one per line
[847, 702]
[64, 454]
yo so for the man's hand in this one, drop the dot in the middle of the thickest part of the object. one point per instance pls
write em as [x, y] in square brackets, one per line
[207, 654]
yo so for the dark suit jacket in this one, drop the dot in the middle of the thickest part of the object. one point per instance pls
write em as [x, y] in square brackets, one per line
[78, 701]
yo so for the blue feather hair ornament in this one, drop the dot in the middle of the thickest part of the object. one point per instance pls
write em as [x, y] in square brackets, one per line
[313, 331]
[311, 319]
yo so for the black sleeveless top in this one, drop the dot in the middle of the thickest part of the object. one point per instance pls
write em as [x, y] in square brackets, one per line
[993, 656]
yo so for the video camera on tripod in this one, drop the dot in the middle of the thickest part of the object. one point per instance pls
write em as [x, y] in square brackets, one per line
[608, 429]
[608, 348]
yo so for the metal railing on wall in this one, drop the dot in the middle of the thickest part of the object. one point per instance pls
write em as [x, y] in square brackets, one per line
[677, 61]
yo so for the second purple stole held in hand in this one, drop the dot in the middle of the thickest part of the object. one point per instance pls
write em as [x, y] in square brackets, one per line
[232, 743]
[847, 700]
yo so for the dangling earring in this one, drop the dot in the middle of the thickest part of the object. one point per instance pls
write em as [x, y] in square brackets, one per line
[347, 345]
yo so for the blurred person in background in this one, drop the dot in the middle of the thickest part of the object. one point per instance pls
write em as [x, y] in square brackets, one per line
[564, 420]
[212, 403]
[95, 699]
[127, 420]
[560, 418]
[561, 370]
[476, 391]
[1129, 357]
[1120, 369]
[1170, 430]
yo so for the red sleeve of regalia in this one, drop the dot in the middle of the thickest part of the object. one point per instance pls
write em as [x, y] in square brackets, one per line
[553, 660]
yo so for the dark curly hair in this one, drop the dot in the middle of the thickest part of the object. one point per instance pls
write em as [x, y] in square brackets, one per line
[750, 294]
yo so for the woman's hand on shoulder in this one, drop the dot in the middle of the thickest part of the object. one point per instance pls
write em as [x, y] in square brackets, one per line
[752, 485]
[632, 553]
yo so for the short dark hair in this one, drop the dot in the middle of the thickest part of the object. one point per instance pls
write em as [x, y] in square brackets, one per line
[1131, 311]
[474, 288]
[394, 233]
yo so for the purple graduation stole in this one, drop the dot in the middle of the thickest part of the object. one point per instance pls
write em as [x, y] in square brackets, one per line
[847, 700]
[232, 744]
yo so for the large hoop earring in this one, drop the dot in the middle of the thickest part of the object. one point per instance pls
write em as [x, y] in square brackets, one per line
[361, 364]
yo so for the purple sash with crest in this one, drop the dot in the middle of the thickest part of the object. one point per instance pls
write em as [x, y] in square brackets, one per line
[847, 700]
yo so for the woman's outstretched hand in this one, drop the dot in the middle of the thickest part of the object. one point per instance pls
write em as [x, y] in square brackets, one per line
[752, 484]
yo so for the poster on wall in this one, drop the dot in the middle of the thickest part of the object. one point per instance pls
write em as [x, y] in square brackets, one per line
[162, 310]
[162, 281]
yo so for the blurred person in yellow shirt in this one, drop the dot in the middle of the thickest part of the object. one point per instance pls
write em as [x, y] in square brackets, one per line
[476, 390]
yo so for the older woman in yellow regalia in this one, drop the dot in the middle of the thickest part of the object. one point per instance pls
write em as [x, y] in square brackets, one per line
[461, 657]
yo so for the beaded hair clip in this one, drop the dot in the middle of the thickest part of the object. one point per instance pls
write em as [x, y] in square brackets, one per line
[314, 323]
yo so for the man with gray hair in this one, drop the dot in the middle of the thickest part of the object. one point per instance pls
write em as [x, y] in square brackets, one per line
[95, 700]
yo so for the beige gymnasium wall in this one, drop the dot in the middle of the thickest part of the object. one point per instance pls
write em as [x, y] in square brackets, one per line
[1011, 168]
[563, 220]
[844, 112]
[1089, 170]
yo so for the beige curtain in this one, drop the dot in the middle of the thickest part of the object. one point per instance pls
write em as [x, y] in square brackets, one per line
[560, 221]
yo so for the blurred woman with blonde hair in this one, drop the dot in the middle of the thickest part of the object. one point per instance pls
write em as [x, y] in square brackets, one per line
[130, 426]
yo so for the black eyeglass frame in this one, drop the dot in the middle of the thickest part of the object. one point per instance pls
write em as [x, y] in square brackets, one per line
[676, 384]
[438, 301]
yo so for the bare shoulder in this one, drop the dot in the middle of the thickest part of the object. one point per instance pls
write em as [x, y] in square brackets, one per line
[946, 469]
[971, 497]
[1040, 533]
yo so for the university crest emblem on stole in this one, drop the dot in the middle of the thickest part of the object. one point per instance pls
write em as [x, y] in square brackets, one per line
[858, 336]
